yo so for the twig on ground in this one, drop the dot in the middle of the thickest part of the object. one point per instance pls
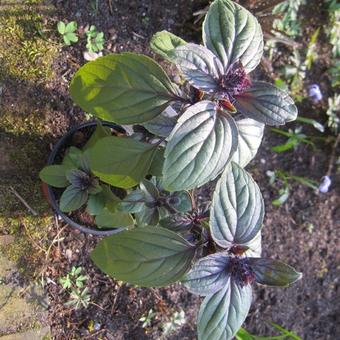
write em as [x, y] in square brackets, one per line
[31, 210]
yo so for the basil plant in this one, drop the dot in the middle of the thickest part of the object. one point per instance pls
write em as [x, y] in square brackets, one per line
[181, 137]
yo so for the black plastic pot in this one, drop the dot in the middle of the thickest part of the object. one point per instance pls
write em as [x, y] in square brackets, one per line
[62, 143]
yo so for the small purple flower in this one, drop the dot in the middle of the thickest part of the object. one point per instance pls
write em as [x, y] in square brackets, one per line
[325, 184]
[314, 93]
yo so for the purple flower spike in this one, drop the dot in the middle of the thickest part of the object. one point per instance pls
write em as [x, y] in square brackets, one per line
[325, 184]
[314, 93]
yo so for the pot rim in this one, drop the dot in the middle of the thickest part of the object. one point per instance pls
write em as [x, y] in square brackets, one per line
[51, 195]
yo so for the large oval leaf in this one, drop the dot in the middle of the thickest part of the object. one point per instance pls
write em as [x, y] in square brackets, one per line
[250, 133]
[273, 273]
[148, 256]
[199, 147]
[108, 219]
[200, 67]
[233, 34]
[124, 88]
[237, 208]
[72, 198]
[164, 42]
[222, 314]
[54, 175]
[267, 104]
[121, 161]
[208, 275]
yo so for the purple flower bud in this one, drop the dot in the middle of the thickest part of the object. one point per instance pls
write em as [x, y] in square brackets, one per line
[325, 184]
[314, 93]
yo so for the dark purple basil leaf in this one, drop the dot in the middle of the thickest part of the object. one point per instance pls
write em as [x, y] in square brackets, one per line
[94, 187]
[267, 104]
[150, 190]
[208, 275]
[180, 201]
[176, 222]
[237, 209]
[200, 67]
[273, 273]
[222, 314]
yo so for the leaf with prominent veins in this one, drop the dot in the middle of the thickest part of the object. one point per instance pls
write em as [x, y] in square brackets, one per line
[233, 34]
[200, 67]
[199, 147]
[222, 314]
[208, 275]
[250, 133]
[237, 209]
[267, 104]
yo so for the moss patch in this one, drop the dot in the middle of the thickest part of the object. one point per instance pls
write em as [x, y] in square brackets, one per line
[25, 52]
[30, 242]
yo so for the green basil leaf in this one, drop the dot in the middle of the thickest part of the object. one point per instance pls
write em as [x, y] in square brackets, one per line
[222, 314]
[108, 219]
[237, 208]
[72, 198]
[124, 88]
[54, 175]
[208, 275]
[273, 273]
[267, 104]
[96, 204]
[111, 199]
[72, 158]
[99, 133]
[250, 133]
[233, 34]
[148, 257]
[199, 147]
[157, 163]
[121, 161]
[164, 42]
[200, 67]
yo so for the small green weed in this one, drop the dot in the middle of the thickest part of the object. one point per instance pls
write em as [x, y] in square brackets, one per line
[68, 31]
[95, 39]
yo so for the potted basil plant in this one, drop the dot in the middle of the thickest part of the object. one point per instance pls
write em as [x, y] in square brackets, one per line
[188, 140]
